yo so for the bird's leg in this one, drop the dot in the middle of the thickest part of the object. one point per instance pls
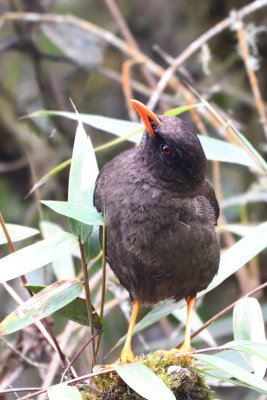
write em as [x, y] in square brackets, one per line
[127, 356]
[186, 346]
[126, 353]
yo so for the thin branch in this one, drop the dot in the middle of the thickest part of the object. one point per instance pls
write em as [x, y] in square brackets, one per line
[197, 44]
[127, 34]
[224, 311]
[80, 378]
[88, 298]
[23, 356]
[251, 74]
[103, 289]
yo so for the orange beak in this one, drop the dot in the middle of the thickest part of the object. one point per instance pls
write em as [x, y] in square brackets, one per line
[146, 115]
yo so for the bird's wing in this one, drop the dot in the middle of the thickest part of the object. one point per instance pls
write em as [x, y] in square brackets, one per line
[209, 193]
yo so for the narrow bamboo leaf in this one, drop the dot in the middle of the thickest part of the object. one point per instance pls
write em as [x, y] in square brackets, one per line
[76, 310]
[245, 198]
[36, 255]
[80, 212]
[83, 173]
[63, 392]
[112, 125]
[179, 110]
[251, 149]
[258, 349]
[48, 175]
[233, 370]
[63, 267]
[217, 375]
[17, 232]
[144, 382]
[239, 254]
[226, 152]
[237, 229]
[214, 149]
[83, 170]
[42, 304]
[248, 324]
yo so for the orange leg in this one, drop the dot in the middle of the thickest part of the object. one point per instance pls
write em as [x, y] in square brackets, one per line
[126, 353]
[127, 356]
[186, 346]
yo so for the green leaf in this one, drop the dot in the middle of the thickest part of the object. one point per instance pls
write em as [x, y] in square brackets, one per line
[36, 255]
[233, 370]
[83, 170]
[251, 149]
[214, 149]
[219, 375]
[64, 392]
[239, 254]
[248, 324]
[79, 212]
[63, 267]
[237, 229]
[258, 349]
[83, 173]
[42, 304]
[179, 110]
[48, 175]
[226, 152]
[76, 310]
[17, 232]
[115, 126]
[144, 382]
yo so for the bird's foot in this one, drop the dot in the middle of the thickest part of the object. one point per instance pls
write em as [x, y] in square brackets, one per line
[181, 354]
[126, 357]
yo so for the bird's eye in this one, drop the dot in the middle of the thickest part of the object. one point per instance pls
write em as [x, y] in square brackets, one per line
[166, 150]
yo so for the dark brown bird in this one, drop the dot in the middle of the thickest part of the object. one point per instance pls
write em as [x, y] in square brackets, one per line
[160, 216]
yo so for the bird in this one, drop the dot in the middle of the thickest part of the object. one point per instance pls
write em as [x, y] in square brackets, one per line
[160, 214]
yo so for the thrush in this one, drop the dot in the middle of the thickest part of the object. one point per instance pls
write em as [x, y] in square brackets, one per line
[160, 215]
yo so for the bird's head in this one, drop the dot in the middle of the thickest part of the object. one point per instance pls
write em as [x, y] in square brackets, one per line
[171, 149]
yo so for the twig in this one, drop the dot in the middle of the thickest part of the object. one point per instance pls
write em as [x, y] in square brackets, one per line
[127, 89]
[224, 311]
[88, 298]
[197, 44]
[250, 72]
[78, 355]
[29, 389]
[230, 129]
[80, 378]
[22, 356]
[53, 368]
[103, 289]
[116, 13]
[24, 281]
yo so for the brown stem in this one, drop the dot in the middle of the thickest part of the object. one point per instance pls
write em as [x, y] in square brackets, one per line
[88, 298]
[103, 291]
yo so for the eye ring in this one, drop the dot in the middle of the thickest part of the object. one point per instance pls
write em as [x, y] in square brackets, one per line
[166, 150]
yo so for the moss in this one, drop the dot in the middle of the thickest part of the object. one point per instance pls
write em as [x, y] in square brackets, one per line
[177, 374]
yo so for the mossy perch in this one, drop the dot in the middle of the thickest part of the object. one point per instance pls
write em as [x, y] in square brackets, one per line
[185, 382]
